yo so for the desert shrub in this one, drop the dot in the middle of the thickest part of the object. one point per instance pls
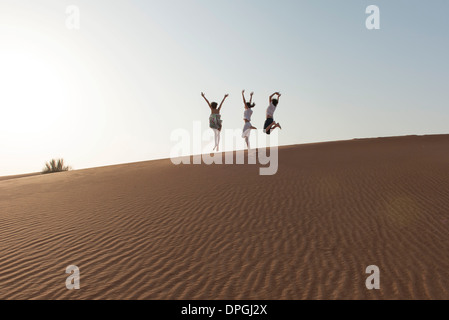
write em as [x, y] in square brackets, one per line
[55, 165]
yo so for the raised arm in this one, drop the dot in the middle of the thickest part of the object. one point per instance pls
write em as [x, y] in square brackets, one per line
[221, 104]
[202, 94]
[276, 93]
[243, 95]
[251, 98]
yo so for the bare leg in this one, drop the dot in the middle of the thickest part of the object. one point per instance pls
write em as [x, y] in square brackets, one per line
[215, 138]
[218, 139]
[247, 142]
[271, 126]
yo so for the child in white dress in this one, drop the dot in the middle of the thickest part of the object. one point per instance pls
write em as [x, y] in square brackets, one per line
[247, 117]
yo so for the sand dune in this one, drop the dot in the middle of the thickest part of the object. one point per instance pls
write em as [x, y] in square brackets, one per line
[18, 176]
[153, 230]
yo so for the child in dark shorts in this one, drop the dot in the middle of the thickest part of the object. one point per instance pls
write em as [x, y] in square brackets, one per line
[270, 124]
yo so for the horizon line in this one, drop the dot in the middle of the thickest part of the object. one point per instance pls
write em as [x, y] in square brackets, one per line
[24, 175]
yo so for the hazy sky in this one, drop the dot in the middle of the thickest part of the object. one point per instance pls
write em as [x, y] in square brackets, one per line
[114, 90]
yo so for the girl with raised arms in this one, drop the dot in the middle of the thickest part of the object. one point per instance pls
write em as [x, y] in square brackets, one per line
[247, 117]
[215, 122]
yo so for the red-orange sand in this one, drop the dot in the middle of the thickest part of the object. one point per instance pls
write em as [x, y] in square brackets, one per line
[153, 230]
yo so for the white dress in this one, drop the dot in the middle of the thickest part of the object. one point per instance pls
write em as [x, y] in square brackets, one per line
[247, 127]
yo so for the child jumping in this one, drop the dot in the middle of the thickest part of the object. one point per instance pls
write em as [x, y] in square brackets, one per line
[270, 124]
[215, 118]
[247, 117]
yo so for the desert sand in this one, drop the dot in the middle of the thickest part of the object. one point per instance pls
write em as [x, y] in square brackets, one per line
[153, 230]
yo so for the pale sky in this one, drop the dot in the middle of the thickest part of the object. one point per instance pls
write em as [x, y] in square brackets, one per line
[113, 91]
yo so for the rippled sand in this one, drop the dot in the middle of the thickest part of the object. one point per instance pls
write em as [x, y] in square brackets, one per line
[153, 230]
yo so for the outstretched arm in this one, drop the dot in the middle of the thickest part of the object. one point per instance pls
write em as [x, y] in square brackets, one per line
[251, 97]
[276, 93]
[243, 95]
[221, 104]
[203, 95]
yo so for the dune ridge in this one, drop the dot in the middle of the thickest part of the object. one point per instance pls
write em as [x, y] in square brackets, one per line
[153, 230]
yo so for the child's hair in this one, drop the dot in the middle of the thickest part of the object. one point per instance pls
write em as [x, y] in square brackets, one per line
[274, 102]
[214, 105]
[249, 105]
